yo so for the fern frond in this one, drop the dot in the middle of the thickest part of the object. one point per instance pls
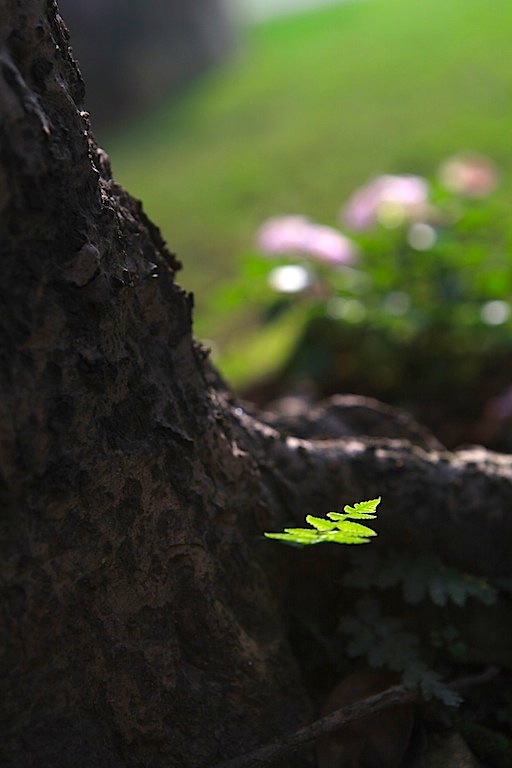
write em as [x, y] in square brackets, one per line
[420, 577]
[338, 529]
[362, 509]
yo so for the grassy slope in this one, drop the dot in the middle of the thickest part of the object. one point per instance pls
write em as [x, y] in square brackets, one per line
[310, 108]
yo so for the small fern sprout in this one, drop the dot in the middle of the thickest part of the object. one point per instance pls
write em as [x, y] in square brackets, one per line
[337, 527]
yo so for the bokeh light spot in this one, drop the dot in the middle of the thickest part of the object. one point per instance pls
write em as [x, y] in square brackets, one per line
[495, 312]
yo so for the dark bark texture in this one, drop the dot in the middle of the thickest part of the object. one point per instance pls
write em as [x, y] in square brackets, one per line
[144, 617]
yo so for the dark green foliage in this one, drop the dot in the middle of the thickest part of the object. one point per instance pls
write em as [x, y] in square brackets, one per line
[385, 642]
[420, 577]
[398, 642]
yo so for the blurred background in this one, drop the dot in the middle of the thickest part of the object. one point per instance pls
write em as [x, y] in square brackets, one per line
[227, 117]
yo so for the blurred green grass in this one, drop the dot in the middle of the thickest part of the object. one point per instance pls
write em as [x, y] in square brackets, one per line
[309, 108]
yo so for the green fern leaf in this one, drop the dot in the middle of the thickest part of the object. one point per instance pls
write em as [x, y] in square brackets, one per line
[355, 529]
[337, 516]
[340, 537]
[320, 524]
[363, 509]
[295, 536]
[430, 685]
[337, 530]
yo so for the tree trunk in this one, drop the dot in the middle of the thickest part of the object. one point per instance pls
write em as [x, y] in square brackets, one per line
[146, 620]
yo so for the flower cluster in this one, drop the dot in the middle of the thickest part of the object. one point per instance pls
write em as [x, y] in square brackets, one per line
[387, 201]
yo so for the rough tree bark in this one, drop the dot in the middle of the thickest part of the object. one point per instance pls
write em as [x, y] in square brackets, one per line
[144, 617]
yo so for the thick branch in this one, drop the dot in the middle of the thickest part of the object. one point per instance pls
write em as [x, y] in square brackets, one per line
[458, 505]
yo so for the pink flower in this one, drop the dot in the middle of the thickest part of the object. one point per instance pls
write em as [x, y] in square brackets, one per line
[469, 174]
[300, 235]
[282, 234]
[500, 407]
[388, 199]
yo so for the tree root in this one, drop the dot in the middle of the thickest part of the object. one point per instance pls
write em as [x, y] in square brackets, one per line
[396, 694]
